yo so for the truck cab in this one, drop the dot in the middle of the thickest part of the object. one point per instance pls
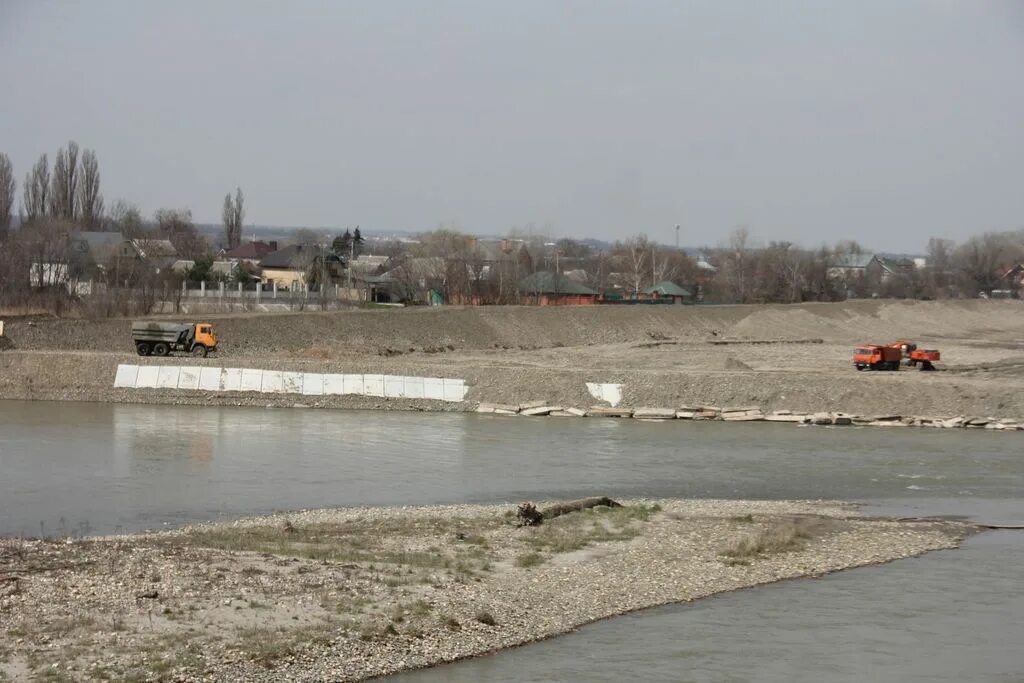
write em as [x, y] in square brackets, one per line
[205, 336]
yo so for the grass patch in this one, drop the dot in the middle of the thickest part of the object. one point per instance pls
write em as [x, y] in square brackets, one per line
[600, 524]
[779, 536]
[453, 542]
[530, 559]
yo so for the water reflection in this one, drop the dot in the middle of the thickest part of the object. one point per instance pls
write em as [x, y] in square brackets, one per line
[139, 466]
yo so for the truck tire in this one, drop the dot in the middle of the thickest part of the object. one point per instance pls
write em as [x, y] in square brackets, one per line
[199, 351]
[161, 349]
[142, 348]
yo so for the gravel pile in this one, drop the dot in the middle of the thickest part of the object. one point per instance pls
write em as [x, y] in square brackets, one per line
[270, 599]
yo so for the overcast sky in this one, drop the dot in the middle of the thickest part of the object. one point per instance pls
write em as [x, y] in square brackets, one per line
[885, 121]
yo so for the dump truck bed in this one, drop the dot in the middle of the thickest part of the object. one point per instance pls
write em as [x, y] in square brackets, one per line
[158, 331]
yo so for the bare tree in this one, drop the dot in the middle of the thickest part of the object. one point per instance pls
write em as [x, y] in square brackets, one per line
[981, 258]
[176, 226]
[64, 184]
[308, 237]
[90, 201]
[233, 215]
[7, 187]
[127, 219]
[632, 257]
[37, 190]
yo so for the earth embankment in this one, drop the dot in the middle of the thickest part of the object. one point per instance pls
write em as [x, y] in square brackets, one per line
[793, 357]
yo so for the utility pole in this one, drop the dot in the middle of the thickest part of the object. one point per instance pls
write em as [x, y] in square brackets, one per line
[677, 237]
[323, 271]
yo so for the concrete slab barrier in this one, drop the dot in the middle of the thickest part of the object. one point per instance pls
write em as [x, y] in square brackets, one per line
[194, 378]
[655, 413]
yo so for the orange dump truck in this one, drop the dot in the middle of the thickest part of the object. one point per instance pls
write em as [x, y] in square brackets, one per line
[916, 356]
[873, 357]
[160, 338]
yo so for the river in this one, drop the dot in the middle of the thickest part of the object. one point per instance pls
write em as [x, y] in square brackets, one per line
[72, 468]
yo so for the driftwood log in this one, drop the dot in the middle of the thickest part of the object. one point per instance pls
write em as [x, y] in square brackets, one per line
[529, 515]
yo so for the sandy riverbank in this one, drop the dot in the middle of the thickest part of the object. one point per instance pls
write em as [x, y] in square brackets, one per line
[355, 593]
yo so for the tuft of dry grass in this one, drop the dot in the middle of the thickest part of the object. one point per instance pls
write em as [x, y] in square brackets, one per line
[780, 536]
[485, 617]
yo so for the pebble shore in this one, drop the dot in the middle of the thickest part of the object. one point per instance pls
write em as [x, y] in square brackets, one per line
[350, 594]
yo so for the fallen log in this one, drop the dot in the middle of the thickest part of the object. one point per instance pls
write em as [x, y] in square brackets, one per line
[529, 515]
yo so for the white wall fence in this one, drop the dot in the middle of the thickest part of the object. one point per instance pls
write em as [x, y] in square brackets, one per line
[283, 382]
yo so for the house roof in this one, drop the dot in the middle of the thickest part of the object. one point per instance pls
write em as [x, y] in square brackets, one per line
[667, 288]
[295, 257]
[851, 261]
[251, 250]
[155, 248]
[367, 264]
[546, 282]
[421, 268]
[100, 246]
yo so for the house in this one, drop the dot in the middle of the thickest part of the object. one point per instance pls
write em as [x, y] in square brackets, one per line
[882, 269]
[160, 254]
[289, 268]
[419, 280]
[81, 256]
[848, 266]
[545, 288]
[668, 290]
[252, 252]
[1014, 279]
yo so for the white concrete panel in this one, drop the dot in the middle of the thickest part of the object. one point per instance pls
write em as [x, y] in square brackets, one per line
[147, 376]
[433, 387]
[209, 379]
[273, 382]
[609, 393]
[189, 378]
[126, 376]
[291, 382]
[231, 379]
[334, 384]
[373, 385]
[353, 384]
[394, 386]
[312, 384]
[252, 380]
[167, 377]
[454, 389]
[414, 387]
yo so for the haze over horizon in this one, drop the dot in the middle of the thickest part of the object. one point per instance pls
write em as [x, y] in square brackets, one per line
[887, 123]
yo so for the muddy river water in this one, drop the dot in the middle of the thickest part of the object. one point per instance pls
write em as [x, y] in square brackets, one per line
[69, 468]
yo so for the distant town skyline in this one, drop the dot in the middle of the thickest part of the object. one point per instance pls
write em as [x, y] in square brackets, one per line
[886, 123]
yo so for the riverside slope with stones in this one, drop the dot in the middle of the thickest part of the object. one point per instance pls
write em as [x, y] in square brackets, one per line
[778, 358]
[355, 593]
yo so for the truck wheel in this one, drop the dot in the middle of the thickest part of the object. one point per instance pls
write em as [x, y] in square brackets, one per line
[142, 348]
[161, 349]
[860, 368]
[199, 351]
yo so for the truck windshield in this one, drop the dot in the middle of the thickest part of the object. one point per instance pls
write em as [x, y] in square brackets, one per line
[864, 351]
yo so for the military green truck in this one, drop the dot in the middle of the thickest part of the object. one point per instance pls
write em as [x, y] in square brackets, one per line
[153, 338]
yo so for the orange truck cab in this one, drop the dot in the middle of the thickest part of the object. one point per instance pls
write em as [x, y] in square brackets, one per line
[205, 335]
[872, 357]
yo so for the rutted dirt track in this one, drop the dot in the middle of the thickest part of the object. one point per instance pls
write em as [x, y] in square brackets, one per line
[664, 355]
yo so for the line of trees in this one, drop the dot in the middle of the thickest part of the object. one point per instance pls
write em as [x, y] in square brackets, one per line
[57, 201]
